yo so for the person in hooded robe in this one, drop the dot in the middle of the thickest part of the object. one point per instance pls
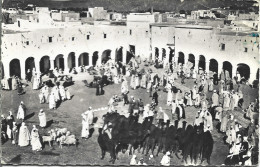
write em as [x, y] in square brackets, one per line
[224, 121]
[52, 102]
[35, 139]
[211, 85]
[166, 160]
[231, 135]
[90, 115]
[143, 81]
[62, 92]
[146, 111]
[221, 87]
[9, 120]
[137, 82]
[5, 84]
[42, 118]
[209, 122]
[219, 113]
[15, 134]
[85, 127]
[14, 83]
[67, 92]
[56, 93]
[45, 92]
[41, 97]
[21, 111]
[215, 99]
[35, 82]
[24, 136]
[226, 102]
[197, 100]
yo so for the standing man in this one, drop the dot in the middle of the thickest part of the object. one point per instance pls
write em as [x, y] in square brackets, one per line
[155, 97]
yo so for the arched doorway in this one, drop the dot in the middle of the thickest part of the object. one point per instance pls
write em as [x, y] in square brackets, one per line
[202, 62]
[213, 65]
[29, 64]
[156, 52]
[71, 60]
[83, 59]
[192, 59]
[129, 56]
[45, 64]
[94, 58]
[243, 70]
[119, 55]
[181, 58]
[163, 53]
[106, 55]
[2, 69]
[227, 66]
[15, 69]
[59, 62]
[171, 56]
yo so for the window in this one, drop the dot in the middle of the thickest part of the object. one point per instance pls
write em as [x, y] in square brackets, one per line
[223, 46]
[73, 38]
[50, 39]
[130, 32]
[27, 42]
[105, 35]
[245, 50]
[88, 37]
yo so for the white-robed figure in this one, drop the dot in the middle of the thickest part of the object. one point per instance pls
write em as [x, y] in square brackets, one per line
[169, 94]
[42, 118]
[219, 111]
[90, 115]
[226, 102]
[174, 106]
[68, 96]
[124, 87]
[62, 92]
[208, 125]
[194, 92]
[215, 99]
[21, 111]
[55, 91]
[211, 85]
[35, 139]
[137, 82]
[45, 92]
[132, 81]
[85, 126]
[143, 81]
[36, 82]
[166, 160]
[52, 102]
[194, 74]
[5, 84]
[24, 136]
[146, 111]
[41, 97]
[197, 100]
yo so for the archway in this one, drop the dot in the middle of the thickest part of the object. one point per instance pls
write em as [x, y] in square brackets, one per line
[181, 58]
[45, 64]
[156, 52]
[83, 59]
[171, 56]
[15, 69]
[213, 65]
[202, 62]
[119, 55]
[106, 55]
[71, 60]
[29, 64]
[243, 70]
[227, 66]
[94, 58]
[2, 69]
[59, 62]
[192, 59]
[163, 53]
[129, 56]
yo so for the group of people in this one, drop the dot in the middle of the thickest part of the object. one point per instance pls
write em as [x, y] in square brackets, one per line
[58, 94]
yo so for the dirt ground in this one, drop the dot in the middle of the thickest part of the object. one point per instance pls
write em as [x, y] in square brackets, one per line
[68, 115]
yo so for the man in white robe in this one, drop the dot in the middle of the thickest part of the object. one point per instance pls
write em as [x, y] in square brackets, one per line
[21, 111]
[52, 102]
[85, 127]
[62, 92]
[42, 118]
[35, 139]
[24, 136]
[166, 159]
[45, 92]
[90, 115]
[215, 99]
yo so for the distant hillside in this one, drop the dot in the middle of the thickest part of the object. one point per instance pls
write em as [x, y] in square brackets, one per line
[137, 5]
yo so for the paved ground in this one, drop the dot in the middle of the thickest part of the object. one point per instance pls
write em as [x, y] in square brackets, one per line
[68, 115]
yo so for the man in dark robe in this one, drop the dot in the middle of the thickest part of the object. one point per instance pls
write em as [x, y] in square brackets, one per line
[155, 97]
[215, 78]
[97, 89]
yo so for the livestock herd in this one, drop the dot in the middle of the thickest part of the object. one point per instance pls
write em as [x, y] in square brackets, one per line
[120, 133]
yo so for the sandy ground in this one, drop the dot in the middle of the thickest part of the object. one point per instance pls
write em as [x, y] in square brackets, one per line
[68, 115]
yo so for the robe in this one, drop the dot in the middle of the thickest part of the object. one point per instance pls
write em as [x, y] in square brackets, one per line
[14, 84]
[218, 113]
[169, 97]
[35, 140]
[24, 136]
[68, 96]
[132, 82]
[223, 126]
[137, 82]
[5, 84]
[41, 98]
[52, 102]
[211, 84]
[143, 81]
[85, 128]
[42, 119]
[36, 82]
[231, 136]
[62, 92]
[20, 113]
[226, 103]
[165, 160]
[215, 100]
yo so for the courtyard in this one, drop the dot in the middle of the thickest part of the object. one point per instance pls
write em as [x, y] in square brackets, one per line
[68, 115]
